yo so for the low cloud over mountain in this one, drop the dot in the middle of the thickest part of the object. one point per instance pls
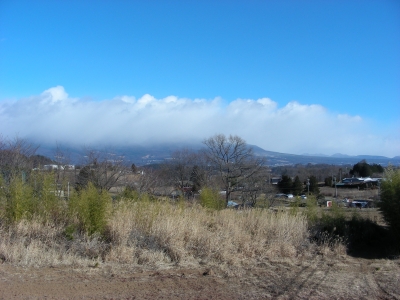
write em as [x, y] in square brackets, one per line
[53, 117]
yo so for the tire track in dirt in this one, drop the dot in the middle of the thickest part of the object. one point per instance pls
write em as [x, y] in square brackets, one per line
[389, 291]
[342, 278]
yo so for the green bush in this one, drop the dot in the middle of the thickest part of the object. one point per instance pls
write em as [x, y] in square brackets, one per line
[45, 200]
[390, 199]
[129, 193]
[329, 228]
[23, 198]
[69, 232]
[211, 199]
[294, 206]
[45, 190]
[91, 208]
[311, 210]
[19, 201]
[334, 222]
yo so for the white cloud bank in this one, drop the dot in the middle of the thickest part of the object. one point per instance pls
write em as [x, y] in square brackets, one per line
[295, 128]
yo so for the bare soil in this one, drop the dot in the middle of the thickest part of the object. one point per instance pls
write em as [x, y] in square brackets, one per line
[342, 277]
[350, 193]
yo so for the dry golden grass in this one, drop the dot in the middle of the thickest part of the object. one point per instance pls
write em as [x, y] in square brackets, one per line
[155, 234]
[34, 243]
[151, 249]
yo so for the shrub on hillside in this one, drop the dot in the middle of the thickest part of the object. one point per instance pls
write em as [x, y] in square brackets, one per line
[34, 196]
[91, 208]
[210, 198]
[19, 201]
[390, 199]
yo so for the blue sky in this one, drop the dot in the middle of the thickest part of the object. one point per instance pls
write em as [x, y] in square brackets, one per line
[289, 76]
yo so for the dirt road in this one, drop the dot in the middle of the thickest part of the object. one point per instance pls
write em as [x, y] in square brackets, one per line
[341, 278]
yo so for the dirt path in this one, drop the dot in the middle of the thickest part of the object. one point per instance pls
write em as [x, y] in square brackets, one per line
[345, 278]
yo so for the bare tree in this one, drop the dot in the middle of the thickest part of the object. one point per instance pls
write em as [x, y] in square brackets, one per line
[252, 187]
[103, 168]
[179, 168]
[234, 162]
[198, 177]
[15, 156]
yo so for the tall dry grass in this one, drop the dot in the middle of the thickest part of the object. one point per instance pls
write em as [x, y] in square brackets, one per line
[37, 243]
[158, 234]
[39, 229]
[147, 233]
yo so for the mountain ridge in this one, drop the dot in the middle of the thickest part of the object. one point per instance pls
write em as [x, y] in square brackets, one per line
[156, 153]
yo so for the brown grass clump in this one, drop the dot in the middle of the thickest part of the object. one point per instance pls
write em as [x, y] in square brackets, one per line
[34, 243]
[153, 232]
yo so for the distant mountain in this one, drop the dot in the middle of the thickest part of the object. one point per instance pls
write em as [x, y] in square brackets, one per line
[277, 158]
[317, 154]
[143, 155]
[138, 154]
[367, 157]
[340, 155]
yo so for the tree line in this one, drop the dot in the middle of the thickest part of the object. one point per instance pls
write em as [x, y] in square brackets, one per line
[226, 164]
[297, 187]
[363, 169]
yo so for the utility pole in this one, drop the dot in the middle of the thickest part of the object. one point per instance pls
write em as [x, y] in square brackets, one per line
[334, 181]
[308, 186]
[379, 189]
[228, 191]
